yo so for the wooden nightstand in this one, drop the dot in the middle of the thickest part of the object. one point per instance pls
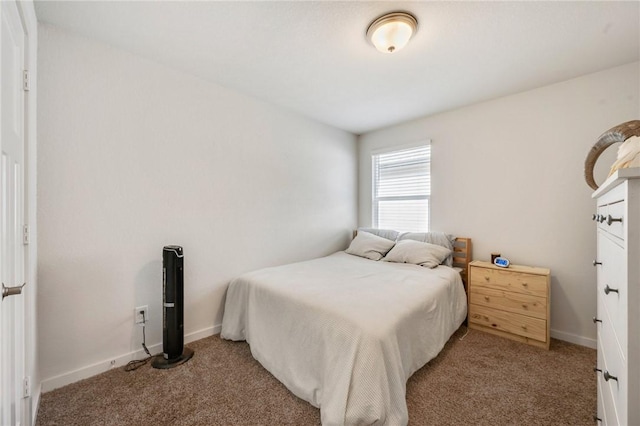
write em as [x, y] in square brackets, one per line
[511, 302]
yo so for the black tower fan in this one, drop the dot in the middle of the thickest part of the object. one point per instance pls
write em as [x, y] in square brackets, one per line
[174, 352]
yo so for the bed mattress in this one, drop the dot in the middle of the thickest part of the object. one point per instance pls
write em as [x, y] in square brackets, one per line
[345, 333]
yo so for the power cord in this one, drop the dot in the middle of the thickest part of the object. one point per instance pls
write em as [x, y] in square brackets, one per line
[465, 334]
[137, 363]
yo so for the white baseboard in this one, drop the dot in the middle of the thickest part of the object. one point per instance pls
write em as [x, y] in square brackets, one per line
[574, 338]
[118, 361]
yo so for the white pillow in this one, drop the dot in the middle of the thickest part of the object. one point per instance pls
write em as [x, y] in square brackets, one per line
[369, 246]
[418, 253]
[389, 234]
[433, 237]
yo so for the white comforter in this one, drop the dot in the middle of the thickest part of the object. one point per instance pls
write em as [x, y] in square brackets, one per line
[345, 333]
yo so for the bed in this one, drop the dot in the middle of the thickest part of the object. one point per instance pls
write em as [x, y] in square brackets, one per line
[344, 332]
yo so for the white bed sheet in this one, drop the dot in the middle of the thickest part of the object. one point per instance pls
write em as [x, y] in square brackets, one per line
[345, 333]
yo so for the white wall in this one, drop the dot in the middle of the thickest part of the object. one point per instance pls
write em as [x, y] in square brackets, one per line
[509, 174]
[134, 156]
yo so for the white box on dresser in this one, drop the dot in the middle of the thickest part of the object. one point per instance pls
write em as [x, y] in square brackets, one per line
[618, 298]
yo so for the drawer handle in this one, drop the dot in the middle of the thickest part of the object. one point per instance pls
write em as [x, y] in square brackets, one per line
[595, 262]
[486, 298]
[602, 218]
[595, 216]
[610, 220]
[486, 278]
[525, 284]
[608, 290]
[596, 370]
[608, 376]
[524, 327]
[597, 419]
[595, 320]
[524, 305]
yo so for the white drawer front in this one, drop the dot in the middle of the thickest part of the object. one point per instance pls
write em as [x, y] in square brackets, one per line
[610, 361]
[608, 412]
[616, 222]
[612, 307]
[613, 204]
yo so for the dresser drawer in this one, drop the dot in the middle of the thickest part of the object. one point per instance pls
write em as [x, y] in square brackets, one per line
[608, 327]
[519, 282]
[520, 325]
[613, 204]
[616, 213]
[614, 392]
[612, 307]
[518, 303]
[607, 412]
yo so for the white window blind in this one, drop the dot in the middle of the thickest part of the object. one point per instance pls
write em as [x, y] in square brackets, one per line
[401, 189]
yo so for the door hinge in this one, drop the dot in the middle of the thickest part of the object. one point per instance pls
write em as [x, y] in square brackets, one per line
[25, 80]
[25, 235]
[26, 387]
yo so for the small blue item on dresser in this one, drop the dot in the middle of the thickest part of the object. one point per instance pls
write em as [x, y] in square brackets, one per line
[502, 262]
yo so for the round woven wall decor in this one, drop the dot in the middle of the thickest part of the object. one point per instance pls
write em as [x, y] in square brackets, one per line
[619, 133]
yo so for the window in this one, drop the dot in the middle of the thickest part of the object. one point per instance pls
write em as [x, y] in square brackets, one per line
[401, 189]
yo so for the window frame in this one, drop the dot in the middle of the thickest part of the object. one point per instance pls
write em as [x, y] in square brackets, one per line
[374, 182]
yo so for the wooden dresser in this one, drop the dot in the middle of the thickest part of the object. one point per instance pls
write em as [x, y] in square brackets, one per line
[511, 302]
[618, 298]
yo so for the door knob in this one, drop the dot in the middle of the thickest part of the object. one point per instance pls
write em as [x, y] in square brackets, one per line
[11, 291]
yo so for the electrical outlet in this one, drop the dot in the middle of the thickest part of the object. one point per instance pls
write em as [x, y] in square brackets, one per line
[138, 317]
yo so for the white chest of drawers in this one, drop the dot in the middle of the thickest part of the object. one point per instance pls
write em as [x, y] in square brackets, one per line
[618, 298]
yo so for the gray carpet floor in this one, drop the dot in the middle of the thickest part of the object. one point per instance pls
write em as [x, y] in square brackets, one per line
[479, 380]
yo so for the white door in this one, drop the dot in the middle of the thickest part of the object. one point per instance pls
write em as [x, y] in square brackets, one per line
[12, 270]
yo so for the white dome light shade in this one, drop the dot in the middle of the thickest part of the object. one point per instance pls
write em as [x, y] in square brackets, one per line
[391, 32]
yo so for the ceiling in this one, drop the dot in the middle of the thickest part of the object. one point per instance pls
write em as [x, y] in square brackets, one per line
[312, 56]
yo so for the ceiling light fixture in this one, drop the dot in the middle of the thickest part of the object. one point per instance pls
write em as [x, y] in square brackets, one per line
[391, 32]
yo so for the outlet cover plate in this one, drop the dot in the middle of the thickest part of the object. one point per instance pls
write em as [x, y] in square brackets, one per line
[138, 317]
